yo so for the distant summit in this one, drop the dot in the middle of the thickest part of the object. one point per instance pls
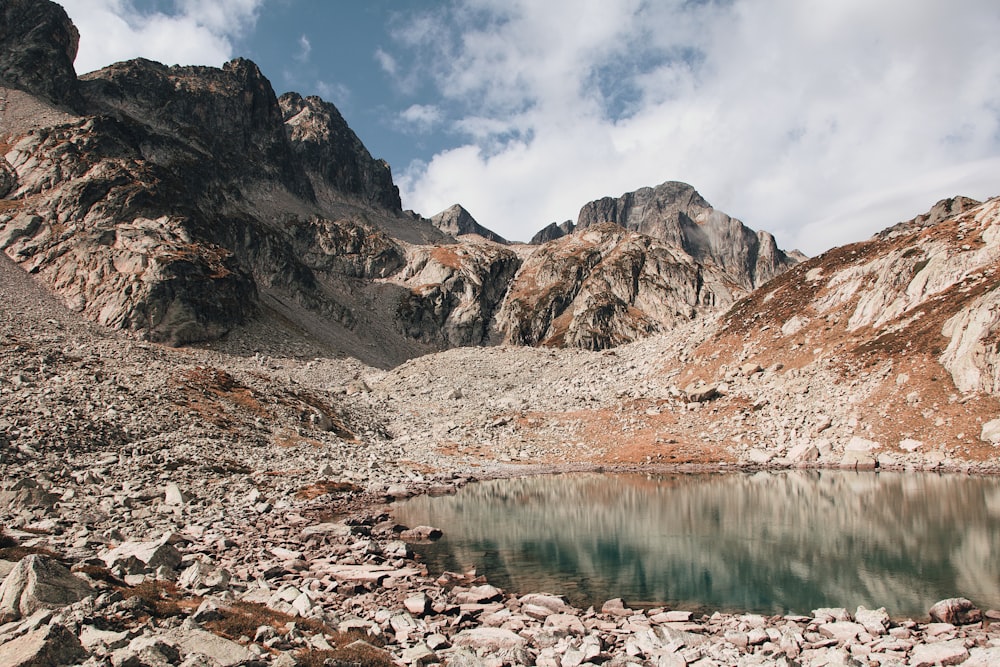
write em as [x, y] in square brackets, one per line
[676, 214]
[456, 221]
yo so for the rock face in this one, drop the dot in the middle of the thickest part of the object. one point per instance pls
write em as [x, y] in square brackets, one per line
[675, 213]
[456, 221]
[330, 151]
[553, 231]
[606, 286]
[38, 44]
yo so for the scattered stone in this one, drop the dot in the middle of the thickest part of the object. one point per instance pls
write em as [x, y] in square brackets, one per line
[421, 534]
[956, 611]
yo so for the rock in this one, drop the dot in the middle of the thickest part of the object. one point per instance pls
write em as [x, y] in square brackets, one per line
[857, 460]
[38, 44]
[842, 631]
[456, 221]
[200, 574]
[991, 432]
[489, 639]
[149, 555]
[554, 604]
[875, 621]
[951, 652]
[419, 654]
[172, 495]
[418, 605]
[831, 614]
[479, 595]
[804, 452]
[759, 456]
[983, 657]
[38, 582]
[50, 645]
[421, 534]
[699, 392]
[957, 611]
[910, 445]
[616, 607]
[224, 652]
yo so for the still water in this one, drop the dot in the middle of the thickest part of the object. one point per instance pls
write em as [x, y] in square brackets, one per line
[785, 542]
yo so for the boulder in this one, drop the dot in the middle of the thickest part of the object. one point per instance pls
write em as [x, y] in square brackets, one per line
[421, 534]
[489, 639]
[875, 621]
[952, 652]
[699, 392]
[50, 645]
[39, 582]
[991, 432]
[150, 555]
[803, 452]
[957, 611]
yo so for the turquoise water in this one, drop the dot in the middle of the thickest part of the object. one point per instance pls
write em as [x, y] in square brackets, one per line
[783, 542]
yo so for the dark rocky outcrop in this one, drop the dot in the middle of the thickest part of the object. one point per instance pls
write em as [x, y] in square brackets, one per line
[552, 231]
[328, 149]
[456, 221]
[38, 44]
[676, 214]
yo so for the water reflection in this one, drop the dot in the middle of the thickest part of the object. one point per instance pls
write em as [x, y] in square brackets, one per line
[766, 542]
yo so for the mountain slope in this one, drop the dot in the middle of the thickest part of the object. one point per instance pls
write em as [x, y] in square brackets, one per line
[183, 203]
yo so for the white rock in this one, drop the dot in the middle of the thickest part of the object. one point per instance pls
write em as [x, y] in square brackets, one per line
[991, 432]
[952, 652]
[910, 445]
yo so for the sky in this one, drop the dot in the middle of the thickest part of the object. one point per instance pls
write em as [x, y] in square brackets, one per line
[821, 121]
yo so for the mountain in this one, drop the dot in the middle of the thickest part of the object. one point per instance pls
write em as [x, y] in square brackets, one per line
[675, 213]
[187, 203]
[552, 231]
[456, 221]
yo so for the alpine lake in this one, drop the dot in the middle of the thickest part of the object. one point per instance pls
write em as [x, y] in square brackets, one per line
[783, 542]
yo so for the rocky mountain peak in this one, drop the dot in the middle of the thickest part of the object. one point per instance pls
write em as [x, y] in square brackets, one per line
[38, 45]
[456, 221]
[333, 154]
[675, 213]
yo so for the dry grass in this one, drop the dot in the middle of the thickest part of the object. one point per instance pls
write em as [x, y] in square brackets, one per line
[214, 394]
[163, 598]
[357, 655]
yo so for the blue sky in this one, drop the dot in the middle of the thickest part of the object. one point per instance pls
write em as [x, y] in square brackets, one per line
[820, 121]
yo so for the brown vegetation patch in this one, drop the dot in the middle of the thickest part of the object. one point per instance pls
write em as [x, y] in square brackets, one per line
[447, 256]
[357, 655]
[163, 598]
[208, 391]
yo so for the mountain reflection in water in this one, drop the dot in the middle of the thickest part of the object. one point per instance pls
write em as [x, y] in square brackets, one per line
[785, 542]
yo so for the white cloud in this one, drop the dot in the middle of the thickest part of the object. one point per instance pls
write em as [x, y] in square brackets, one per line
[386, 62]
[199, 32]
[420, 118]
[821, 122]
[305, 48]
